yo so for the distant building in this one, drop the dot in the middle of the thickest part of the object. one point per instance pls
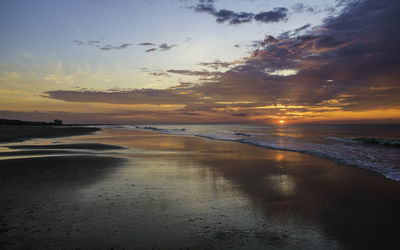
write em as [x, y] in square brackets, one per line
[57, 122]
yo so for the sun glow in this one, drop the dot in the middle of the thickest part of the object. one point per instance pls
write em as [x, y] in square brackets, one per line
[281, 121]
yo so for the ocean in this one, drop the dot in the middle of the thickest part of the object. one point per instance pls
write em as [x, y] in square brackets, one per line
[372, 147]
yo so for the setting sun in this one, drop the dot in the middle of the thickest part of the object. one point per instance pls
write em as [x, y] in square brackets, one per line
[281, 121]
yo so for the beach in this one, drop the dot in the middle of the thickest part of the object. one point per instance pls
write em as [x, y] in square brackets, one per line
[135, 189]
[12, 133]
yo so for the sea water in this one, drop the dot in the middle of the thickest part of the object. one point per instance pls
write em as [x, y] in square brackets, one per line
[372, 147]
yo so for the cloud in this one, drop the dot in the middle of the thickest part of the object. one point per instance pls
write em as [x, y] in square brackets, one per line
[97, 44]
[164, 46]
[10, 77]
[112, 47]
[107, 47]
[216, 64]
[351, 63]
[161, 47]
[79, 42]
[150, 50]
[301, 7]
[125, 116]
[207, 8]
[239, 114]
[224, 15]
[275, 15]
[147, 44]
[93, 42]
[342, 51]
[136, 96]
[339, 65]
[195, 73]
[268, 40]
[159, 74]
[302, 28]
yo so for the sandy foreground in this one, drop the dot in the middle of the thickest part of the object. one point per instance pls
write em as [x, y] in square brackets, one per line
[126, 189]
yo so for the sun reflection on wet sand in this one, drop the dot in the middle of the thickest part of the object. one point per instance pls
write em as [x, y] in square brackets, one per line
[279, 157]
[282, 184]
[201, 184]
[176, 191]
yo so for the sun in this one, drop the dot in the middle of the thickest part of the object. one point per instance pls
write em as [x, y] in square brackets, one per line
[281, 121]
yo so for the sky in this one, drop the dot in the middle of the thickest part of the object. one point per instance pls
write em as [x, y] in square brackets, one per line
[200, 61]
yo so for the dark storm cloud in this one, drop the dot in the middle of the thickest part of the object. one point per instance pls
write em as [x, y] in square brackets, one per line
[351, 63]
[224, 15]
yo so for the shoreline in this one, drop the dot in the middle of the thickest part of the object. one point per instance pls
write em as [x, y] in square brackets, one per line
[389, 169]
[167, 191]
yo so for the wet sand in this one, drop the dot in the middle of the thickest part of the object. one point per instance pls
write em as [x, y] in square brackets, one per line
[157, 191]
